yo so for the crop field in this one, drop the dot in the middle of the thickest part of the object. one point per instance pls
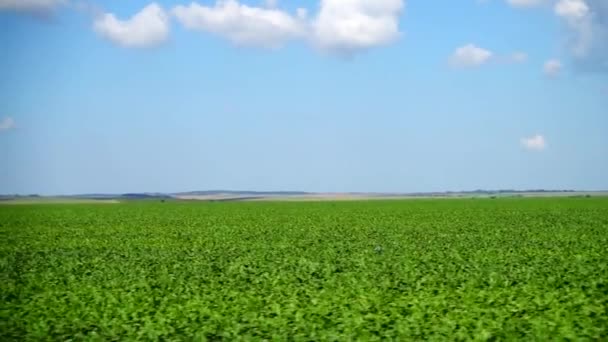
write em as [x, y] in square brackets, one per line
[504, 269]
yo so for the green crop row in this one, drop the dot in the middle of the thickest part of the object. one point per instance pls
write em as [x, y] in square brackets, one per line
[506, 269]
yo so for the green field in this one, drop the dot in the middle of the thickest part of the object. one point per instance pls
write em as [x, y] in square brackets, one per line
[509, 269]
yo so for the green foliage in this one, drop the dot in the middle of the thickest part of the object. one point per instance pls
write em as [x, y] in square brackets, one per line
[513, 269]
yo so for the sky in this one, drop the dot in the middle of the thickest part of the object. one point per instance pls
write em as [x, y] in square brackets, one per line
[313, 95]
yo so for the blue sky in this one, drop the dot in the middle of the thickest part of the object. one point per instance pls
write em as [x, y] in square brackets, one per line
[339, 95]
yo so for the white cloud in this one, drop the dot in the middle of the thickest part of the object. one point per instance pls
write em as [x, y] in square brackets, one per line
[242, 24]
[587, 30]
[147, 28]
[587, 21]
[571, 9]
[577, 16]
[525, 3]
[30, 5]
[347, 26]
[552, 67]
[534, 143]
[6, 124]
[470, 56]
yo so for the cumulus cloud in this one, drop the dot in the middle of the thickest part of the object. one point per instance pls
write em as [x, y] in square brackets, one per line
[32, 6]
[340, 26]
[552, 67]
[6, 124]
[587, 22]
[534, 143]
[242, 24]
[470, 55]
[149, 27]
[572, 9]
[348, 26]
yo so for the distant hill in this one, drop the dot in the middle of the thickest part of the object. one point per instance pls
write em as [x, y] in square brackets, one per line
[144, 196]
[126, 196]
[237, 195]
[241, 193]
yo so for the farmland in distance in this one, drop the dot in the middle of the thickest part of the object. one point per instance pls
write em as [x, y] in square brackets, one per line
[512, 268]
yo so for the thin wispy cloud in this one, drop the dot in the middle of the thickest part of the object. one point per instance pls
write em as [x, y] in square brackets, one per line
[586, 23]
[7, 123]
[271, 3]
[525, 3]
[534, 143]
[588, 42]
[518, 57]
[470, 55]
[30, 6]
[552, 67]
[577, 15]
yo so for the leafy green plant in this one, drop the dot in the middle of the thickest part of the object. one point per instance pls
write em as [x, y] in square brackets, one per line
[421, 269]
